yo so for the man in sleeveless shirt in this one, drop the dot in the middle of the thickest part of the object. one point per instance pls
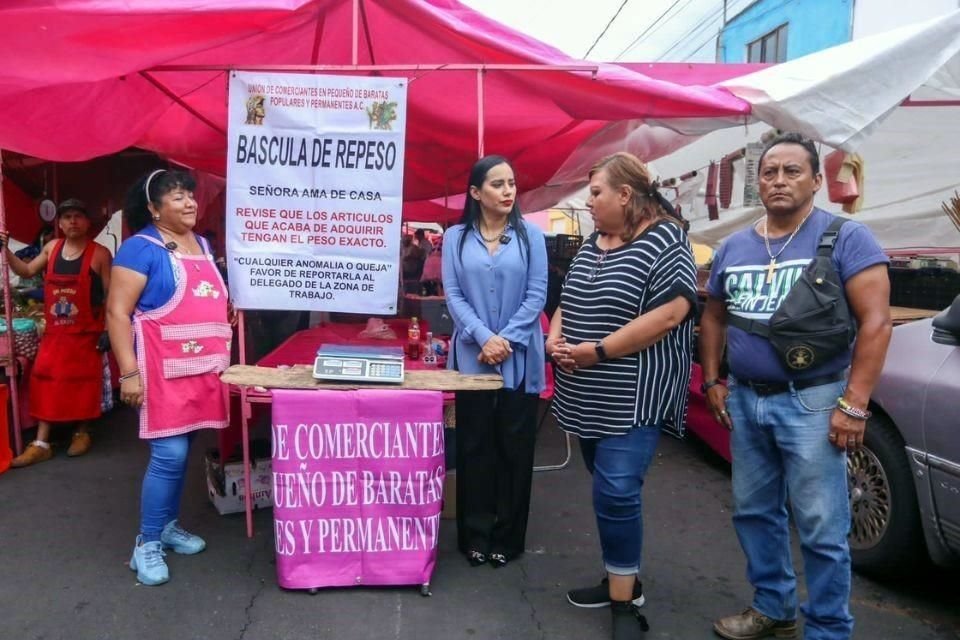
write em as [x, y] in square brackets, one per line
[66, 384]
[792, 424]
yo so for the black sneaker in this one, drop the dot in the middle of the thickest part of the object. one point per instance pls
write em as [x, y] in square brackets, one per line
[599, 596]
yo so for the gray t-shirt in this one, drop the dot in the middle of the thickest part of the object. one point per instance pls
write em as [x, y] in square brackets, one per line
[739, 278]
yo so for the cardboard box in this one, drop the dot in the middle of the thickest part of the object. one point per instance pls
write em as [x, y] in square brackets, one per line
[225, 483]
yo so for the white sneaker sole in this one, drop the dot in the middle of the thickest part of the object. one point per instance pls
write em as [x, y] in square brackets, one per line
[637, 602]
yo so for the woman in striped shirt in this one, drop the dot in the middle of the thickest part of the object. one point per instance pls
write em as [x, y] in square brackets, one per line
[622, 340]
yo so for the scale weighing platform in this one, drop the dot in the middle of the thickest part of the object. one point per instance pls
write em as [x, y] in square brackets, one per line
[359, 363]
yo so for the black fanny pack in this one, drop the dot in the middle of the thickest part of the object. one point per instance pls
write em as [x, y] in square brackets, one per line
[813, 323]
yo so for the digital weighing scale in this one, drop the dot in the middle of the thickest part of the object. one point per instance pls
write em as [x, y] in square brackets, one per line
[359, 363]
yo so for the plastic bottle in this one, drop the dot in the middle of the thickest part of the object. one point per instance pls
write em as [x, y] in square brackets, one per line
[413, 339]
[429, 355]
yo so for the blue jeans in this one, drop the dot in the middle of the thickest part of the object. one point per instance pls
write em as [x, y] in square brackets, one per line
[163, 484]
[780, 450]
[618, 465]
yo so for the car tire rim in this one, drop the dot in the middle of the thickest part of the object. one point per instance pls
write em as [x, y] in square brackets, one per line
[870, 500]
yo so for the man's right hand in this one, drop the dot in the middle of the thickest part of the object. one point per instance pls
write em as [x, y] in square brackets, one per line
[717, 400]
[4, 236]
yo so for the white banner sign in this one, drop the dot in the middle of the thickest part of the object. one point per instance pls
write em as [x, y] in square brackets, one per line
[315, 191]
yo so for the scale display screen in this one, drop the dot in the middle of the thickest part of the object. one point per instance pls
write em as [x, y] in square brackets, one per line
[359, 363]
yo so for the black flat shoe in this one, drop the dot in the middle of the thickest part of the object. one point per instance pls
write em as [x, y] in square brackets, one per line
[498, 560]
[475, 558]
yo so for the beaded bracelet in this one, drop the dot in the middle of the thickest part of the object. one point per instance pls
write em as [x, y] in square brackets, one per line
[852, 411]
[128, 376]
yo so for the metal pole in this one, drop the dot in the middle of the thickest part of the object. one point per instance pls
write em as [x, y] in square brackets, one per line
[480, 112]
[456, 66]
[245, 415]
[355, 55]
[12, 368]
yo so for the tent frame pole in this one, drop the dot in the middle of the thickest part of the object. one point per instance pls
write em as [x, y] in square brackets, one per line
[173, 96]
[480, 117]
[355, 53]
[582, 68]
[12, 366]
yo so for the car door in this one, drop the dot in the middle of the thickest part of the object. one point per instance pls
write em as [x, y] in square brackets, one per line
[942, 444]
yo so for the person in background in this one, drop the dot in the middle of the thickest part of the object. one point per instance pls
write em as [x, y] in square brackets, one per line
[420, 239]
[623, 339]
[432, 277]
[66, 384]
[412, 257]
[791, 429]
[495, 279]
[170, 327]
[219, 258]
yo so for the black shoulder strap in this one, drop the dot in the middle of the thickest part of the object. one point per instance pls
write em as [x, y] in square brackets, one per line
[829, 237]
[824, 249]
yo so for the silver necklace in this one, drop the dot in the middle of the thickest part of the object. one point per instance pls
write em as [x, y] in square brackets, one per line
[496, 237]
[773, 256]
[74, 256]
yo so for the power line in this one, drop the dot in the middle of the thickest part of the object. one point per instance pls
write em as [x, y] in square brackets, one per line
[602, 33]
[747, 21]
[696, 29]
[637, 40]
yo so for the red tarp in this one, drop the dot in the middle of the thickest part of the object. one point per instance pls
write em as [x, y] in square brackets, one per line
[71, 86]
[23, 219]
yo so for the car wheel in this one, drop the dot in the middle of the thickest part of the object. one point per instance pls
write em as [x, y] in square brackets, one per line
[886, 537]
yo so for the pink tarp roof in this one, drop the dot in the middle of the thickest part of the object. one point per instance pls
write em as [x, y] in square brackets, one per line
[72, 87]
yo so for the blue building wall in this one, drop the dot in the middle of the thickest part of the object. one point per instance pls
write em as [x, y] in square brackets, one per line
[814, 25]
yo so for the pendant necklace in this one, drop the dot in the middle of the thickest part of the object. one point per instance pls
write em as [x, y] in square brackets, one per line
[496, 236]
[63, 253]
[773, 256]
[173, 247]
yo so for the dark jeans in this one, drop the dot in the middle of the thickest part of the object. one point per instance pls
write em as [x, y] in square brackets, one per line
[618, 465]
[496, 434]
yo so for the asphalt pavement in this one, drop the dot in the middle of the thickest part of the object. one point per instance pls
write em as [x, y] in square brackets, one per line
[67, 528]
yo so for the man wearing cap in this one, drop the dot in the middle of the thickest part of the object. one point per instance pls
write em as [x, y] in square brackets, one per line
[67, 380]
[794, 416]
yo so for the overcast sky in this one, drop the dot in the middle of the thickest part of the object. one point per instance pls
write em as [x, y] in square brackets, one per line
[687, 30]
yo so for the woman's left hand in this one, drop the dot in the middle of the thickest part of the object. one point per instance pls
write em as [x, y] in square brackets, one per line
[231, 314]
[581, 356]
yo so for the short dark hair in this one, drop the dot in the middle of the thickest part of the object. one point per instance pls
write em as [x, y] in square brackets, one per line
[797, 139]
[135, 210]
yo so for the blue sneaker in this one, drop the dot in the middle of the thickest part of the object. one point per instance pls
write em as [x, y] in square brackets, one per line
[147, 560]
[180, 540]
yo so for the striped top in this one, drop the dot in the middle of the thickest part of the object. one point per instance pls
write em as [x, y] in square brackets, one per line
[603, 292]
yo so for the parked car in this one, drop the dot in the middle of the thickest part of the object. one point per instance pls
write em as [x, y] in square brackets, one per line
[905, 480]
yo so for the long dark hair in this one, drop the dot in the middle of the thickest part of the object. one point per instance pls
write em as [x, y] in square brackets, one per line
[135, 210]
[471, 208]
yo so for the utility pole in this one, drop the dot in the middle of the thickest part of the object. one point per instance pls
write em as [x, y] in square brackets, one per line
[723, 25]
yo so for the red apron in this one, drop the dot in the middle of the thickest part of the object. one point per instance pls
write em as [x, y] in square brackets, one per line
[182, 347]
[67, 379]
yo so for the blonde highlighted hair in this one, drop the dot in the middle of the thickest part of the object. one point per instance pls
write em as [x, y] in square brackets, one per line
[626, 169]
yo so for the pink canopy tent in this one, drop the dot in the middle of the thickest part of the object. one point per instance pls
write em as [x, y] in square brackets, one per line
[86, 78]
[82, 79]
